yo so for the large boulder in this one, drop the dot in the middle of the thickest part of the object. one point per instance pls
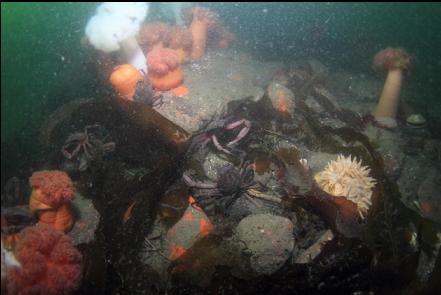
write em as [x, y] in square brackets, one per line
[261, 243]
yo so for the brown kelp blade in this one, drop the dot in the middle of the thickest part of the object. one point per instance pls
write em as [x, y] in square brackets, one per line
[146, 117]
[340, 213]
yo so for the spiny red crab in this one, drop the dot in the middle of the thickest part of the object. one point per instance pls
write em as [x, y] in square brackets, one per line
[231, 184]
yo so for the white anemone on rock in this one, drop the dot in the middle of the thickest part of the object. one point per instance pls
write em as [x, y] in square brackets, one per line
[346, 177]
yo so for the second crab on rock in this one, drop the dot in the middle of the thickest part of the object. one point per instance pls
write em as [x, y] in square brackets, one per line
[221, 127]
[232, 183]
[82, 147]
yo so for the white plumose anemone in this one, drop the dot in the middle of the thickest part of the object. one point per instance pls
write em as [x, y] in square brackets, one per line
[347, 178]
[115, 26]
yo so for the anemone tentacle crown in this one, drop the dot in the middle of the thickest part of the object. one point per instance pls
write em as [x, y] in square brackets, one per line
[348, 178]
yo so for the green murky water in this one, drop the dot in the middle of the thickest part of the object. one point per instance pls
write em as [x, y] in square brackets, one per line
[41, 45]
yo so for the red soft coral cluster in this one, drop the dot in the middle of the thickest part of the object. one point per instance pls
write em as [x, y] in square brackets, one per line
[152, 34]
[50, 264]
[56, 186]
[165, 72]
[162, 60]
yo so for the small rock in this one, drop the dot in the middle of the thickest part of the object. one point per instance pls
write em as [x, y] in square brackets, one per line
[416, 121]
[281, 98]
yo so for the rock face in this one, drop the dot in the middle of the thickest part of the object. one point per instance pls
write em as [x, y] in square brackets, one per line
[214, 81]
[262, 243]
[390, 147]
[428, 195]
[83, 231]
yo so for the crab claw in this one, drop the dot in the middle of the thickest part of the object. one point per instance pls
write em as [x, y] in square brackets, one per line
[243, 132]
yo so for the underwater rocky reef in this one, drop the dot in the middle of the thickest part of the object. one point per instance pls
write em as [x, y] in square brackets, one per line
[197, 169]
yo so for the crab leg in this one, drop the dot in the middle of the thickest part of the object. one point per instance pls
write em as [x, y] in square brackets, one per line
[197, 184]
[66, 154]
[238, 123]
[218, 145]
[87, 152]
[74, 152]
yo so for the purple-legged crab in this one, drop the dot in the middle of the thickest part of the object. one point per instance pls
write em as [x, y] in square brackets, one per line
[231, 184]
[83, 147]
[220, 128]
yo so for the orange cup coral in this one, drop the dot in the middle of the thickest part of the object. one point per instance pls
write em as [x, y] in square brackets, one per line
[124, 80]
[50, 264]
[165, 72]
[52, 192]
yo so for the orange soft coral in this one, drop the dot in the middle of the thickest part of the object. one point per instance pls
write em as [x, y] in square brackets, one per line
[52, 192]
[203, 19]
[152, 35]
[165, 72]
[50, 264]
[180, 39]
[124, 80]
